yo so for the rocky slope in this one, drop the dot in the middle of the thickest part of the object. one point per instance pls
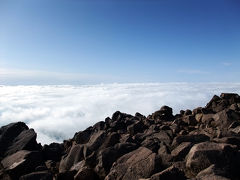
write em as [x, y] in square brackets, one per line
[202, 144]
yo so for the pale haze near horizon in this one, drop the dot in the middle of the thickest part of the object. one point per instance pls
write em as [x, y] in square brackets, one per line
[57, 112]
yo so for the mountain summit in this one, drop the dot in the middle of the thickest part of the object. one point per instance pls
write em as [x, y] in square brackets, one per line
[198, 144]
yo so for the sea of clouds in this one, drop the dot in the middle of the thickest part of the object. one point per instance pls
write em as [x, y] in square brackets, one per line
[57, 112]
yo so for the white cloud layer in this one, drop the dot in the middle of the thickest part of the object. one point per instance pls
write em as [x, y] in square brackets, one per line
[57, 112]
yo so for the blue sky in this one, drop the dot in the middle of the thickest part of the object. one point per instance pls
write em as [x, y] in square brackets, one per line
[73, 41]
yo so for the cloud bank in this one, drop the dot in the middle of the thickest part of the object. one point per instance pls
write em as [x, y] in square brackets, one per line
[57, 112]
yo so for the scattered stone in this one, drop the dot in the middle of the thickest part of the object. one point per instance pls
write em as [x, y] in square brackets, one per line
[198, 144]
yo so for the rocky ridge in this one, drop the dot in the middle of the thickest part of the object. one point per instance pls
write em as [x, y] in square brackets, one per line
[198, 144]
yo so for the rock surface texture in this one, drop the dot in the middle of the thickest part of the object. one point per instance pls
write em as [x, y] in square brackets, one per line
[198, 144]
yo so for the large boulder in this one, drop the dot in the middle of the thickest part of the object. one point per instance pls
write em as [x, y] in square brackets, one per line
[21, 162]
[15, 137]
[212, 172]
[204, 154]
[83, 137]
[96, 140]
[224, 118]
[164, 114]
[180, 152]
[53, 151]
[141, 163]
[108, 156]
[74, 156]
[196, 138]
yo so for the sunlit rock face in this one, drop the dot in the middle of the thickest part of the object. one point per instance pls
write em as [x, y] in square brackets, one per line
[203, 143]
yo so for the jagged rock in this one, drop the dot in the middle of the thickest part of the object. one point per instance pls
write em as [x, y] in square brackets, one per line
[198, 117]
[135, 128]
[110, 140]
[190, 120]
[187, 112]
[171, 173]
[212, 172]
[234, 140]
[198, 110]
[224, 118]
[86, 173]
[206, 118]
[204, 154]
[21, 162]
[151, 143]
[109, 155]
[52, 166]
[53, 151]
[118, 116]
[165, 155]
[74, 156]
[96, 140]
[165, 113]
[43, 175]
[3, 174]
[230, 96]
[15, 137]
[141, 163]
[163, 136]
[99, 126]
[180, 152]
[83, 137]
[190, 138]
[200, 144]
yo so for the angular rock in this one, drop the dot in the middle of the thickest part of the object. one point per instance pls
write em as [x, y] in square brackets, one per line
[43, 175]
[171, 173]
[96, 140]
[135, 128]
[224, 118]
[187, 112]
[212, 172]
[83, 137]
[21, 162]
[165, 113]
[190, 120]
[180, 152]
[190, 138]
[204, 154]
[162, 136]
[234, 140]
[15, 137]
[86, 173]
[99, 126]
[151, 143]
[141, 163]
[74, 156]
[109, 155]
[165, 155]
[53, 151]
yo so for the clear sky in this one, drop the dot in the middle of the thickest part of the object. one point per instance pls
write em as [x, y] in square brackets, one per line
[74, 41]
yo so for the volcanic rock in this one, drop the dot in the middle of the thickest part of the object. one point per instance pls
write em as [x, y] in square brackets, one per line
[198, 144]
